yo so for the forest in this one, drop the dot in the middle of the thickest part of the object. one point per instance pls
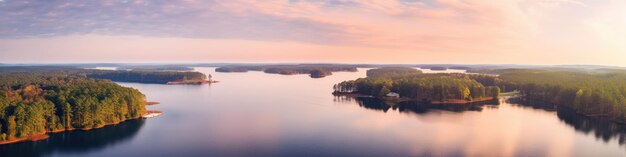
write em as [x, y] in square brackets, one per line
[595, 93]
[314, 70]
[426, 87]
[38, 100]
[155, 68]
[137, 76]
[145, 76]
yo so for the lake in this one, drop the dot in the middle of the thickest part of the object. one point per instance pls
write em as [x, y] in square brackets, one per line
[258, 114]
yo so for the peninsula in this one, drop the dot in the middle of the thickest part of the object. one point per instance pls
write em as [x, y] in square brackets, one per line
[408, 84]
[151, 76]
[40, 101]
[597, 93]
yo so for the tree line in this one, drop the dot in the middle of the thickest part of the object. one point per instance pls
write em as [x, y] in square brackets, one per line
[34, 102]
[145, 76]
[314, 70]
[596, 93]
[138, 76]
[429, 87]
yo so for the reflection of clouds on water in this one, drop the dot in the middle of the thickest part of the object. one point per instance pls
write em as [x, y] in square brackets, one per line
[495, 130]
[257, 114]
[604, 130]
[601, 129]
[413, 107]
[236, 132]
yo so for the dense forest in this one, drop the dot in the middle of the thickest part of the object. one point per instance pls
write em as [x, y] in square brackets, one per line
[53, 99]
[314, 70]
[155, 68]
[145, 76]
[138, 76]
[596, 93]
[427, 87]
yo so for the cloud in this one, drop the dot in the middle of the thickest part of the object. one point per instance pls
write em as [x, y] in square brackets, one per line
[368, 23]
[527, 29]
[427, 26]
[192, 19]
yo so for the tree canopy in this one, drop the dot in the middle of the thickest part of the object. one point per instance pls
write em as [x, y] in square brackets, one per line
[591, 92]
[145, 76]
[412, 84]
[314, 70]
[35, 102]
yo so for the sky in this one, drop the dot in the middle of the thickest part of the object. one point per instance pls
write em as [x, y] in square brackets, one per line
[329, 31]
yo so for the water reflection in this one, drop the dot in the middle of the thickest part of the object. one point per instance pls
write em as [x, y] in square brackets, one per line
[413, 106]
[256, 114]
[72, 142]
[535, 105]
[506, 123]
[600, 128]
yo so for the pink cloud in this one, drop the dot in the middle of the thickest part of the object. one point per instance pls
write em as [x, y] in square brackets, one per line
[449, 25]
[459, 30]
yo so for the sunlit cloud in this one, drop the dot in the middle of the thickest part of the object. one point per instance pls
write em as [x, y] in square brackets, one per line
[526, 29]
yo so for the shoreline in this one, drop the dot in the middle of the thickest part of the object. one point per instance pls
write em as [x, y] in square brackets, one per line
[557, 107]
[398, 100]
[44, 135]
[461, 102]
[191, 82]
[37, 137]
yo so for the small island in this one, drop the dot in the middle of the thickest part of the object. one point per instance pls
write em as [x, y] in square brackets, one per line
[314, 70]
[191, 82]
[397, 84]
[317, 73]
[438, 68]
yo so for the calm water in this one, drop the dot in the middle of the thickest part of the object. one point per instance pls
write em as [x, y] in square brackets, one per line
[257, 114]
